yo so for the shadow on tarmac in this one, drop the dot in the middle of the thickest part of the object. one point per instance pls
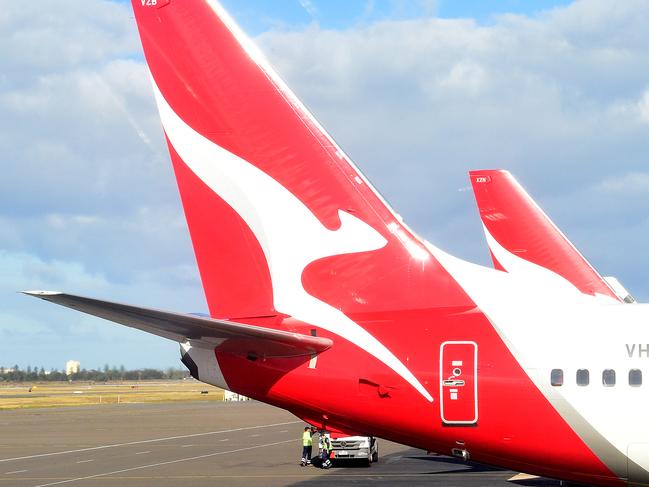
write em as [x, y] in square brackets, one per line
[410, 468]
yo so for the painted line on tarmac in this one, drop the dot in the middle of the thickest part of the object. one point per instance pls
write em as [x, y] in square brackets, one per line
[336, 475]
[141, 442]
[170, 462]
[15, 471]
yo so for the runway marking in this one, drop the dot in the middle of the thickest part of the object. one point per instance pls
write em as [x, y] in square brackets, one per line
[186, 446]
[141, 442]
[284, 431]
[427, 475]
[15, 471]
[225, 439]
[170, 462]
[85, 461]
[255, 436]
[143, 452]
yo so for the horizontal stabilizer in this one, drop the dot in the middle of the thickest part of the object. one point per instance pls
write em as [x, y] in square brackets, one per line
[223, 335]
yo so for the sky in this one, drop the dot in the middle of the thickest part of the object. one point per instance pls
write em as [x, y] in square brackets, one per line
[416, 92]
[258, 16]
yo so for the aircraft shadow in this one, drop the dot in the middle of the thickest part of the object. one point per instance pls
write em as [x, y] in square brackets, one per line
[424, 466]
[462, 466]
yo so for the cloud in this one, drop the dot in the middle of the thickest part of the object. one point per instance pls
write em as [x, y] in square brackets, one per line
[466, 77]
[38, 333]
[309, 7]
[628, 183]
[643, 107]
[88, 201]
[63, 34]
[552, 97]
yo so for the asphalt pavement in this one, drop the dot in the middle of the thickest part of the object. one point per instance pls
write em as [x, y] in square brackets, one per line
[201, 444]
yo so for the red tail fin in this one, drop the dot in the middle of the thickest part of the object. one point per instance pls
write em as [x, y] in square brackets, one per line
[281, 221]
[265, 189]
[520, 226]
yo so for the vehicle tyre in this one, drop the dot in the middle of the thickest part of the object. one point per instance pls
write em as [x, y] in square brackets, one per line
[375, 454]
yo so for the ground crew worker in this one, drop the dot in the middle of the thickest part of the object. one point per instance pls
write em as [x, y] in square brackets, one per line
[307, 446]
[325, 448]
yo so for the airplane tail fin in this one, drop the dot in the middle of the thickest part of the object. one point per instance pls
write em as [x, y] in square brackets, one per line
[514, 220]
[275, 208]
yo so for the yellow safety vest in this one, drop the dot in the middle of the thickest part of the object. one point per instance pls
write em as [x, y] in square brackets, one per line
[326, 444]
[306, 439]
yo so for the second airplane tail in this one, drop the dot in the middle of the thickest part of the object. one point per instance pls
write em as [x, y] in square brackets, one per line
[514, 220]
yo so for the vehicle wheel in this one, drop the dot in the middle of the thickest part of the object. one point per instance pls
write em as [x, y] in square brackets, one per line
[375, 454]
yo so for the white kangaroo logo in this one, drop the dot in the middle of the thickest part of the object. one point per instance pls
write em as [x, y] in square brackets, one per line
[289, 234]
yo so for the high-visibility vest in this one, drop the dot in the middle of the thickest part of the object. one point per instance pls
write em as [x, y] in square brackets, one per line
[326, 443]
[306, 439]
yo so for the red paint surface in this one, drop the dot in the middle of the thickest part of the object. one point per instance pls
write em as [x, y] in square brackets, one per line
[409, 305]
[521, 227]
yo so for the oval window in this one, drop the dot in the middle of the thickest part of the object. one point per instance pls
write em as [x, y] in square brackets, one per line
[635, 377]
[608, 377]
[583, 377]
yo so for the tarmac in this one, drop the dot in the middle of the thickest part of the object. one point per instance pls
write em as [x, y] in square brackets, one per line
[202, 444]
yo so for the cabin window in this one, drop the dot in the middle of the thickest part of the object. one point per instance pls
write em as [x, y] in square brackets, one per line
[583, 377]
[608, 377]
[635, 377]
[556, 377]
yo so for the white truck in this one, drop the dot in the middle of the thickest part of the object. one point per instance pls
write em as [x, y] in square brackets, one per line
[360, 448]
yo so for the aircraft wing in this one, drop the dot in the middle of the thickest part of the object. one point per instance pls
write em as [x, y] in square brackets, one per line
[514, 220]
[226, 335]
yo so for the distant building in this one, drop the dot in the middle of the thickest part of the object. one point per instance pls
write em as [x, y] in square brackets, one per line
[72, 367]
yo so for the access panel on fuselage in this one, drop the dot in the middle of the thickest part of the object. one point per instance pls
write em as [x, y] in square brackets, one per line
[458, 375]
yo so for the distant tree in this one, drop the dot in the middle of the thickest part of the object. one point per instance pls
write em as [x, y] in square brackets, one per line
[176, 374]
[57, 375]
[93, 375]
[31, 374]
